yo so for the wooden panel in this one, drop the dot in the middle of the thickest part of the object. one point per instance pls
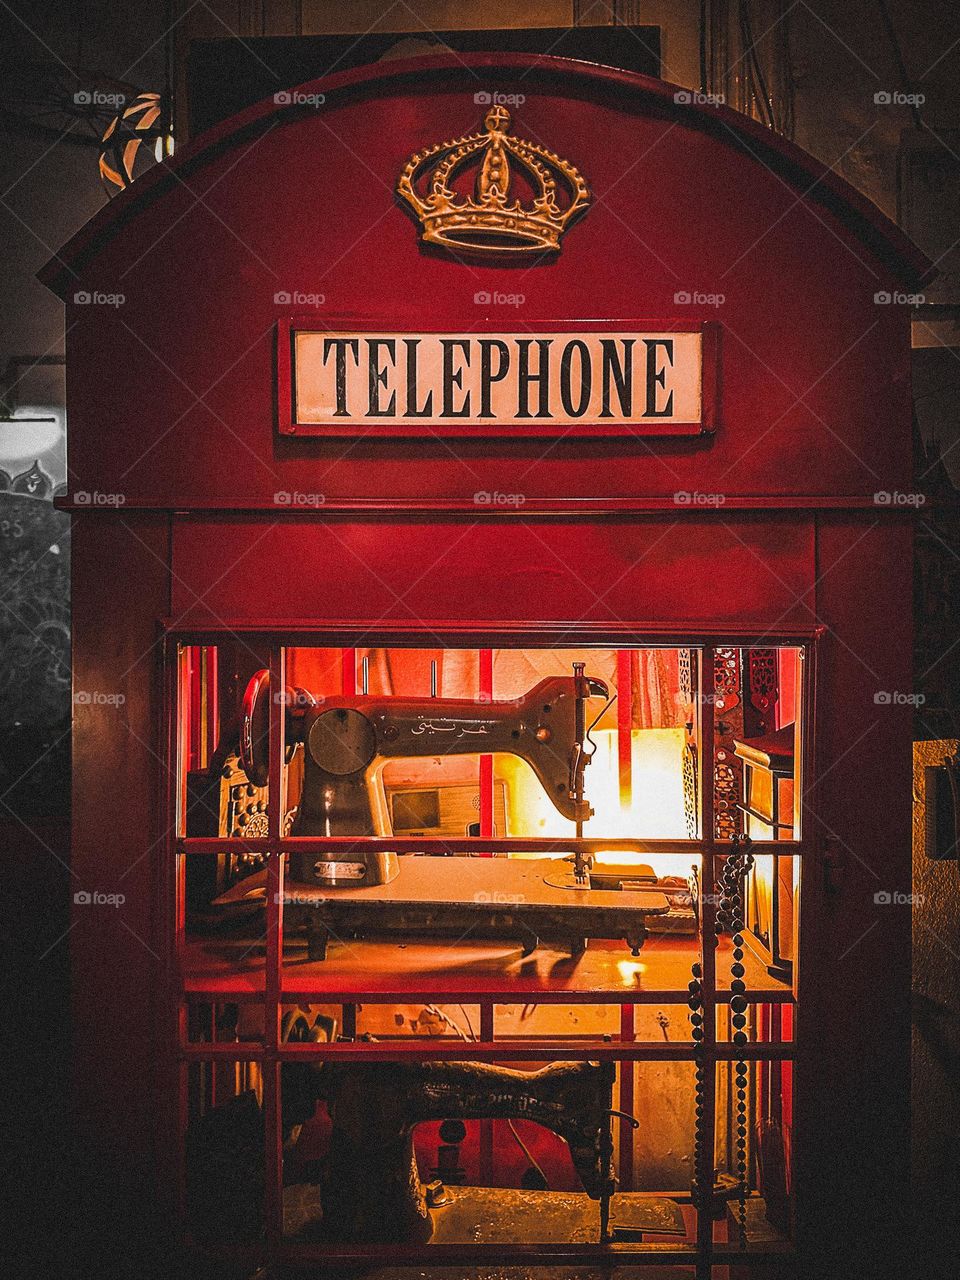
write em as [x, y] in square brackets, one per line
[696, 572]
[115, 939]
[853, 1026]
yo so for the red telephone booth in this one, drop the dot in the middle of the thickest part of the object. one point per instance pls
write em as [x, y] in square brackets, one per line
[491, 647]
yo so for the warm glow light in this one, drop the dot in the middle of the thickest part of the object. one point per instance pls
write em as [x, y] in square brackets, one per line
[661, 864]
[656, 810]
[656, 807]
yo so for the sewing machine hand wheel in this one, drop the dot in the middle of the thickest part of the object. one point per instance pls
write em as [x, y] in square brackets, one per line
[255, 725]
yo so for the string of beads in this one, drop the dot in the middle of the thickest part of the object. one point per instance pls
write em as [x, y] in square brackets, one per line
[736, 867]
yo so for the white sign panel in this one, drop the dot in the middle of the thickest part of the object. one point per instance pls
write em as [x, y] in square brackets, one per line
[538, 383]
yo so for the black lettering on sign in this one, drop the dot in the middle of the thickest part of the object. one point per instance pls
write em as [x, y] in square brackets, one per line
[340, 346]
[377, 377]
[657, 377]
[411, 411]
[487, 376]
[541, 378]
[621, 372]
[453, 377]
[585, 379]
[531, 383]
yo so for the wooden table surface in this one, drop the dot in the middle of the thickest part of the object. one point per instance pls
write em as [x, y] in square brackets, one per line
[511, 883]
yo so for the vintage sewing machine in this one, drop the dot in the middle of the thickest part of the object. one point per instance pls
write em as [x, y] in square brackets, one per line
[346, 743]
[372, 1190]
[369, 1187]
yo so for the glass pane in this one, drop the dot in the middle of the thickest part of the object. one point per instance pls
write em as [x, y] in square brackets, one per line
[503, 1153]
[222, 719]
[758, 740]
[754, 1131]
[422, 1020]
[459, 744]
[639, 734]
[221, 769]
[772, 903]
[223, 1152]
[463, 747]
[223, 1022]
[224, 935]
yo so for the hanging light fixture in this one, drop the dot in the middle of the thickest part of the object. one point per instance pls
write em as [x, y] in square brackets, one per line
[135, 139]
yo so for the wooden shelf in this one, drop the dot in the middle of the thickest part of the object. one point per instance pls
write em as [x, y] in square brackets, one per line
[233, 969]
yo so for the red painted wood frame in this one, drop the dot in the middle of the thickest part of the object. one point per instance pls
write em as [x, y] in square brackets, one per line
[289, 326]
[278, 1254]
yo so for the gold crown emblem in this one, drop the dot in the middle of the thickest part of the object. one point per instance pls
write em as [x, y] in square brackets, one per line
[487, 221]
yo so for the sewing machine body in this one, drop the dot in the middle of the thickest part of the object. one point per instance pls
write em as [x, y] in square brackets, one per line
[372, 1190]
[347, 742]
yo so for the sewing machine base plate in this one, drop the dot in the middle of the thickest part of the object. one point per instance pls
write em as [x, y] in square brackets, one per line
[497, 1215]
[512, 896]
